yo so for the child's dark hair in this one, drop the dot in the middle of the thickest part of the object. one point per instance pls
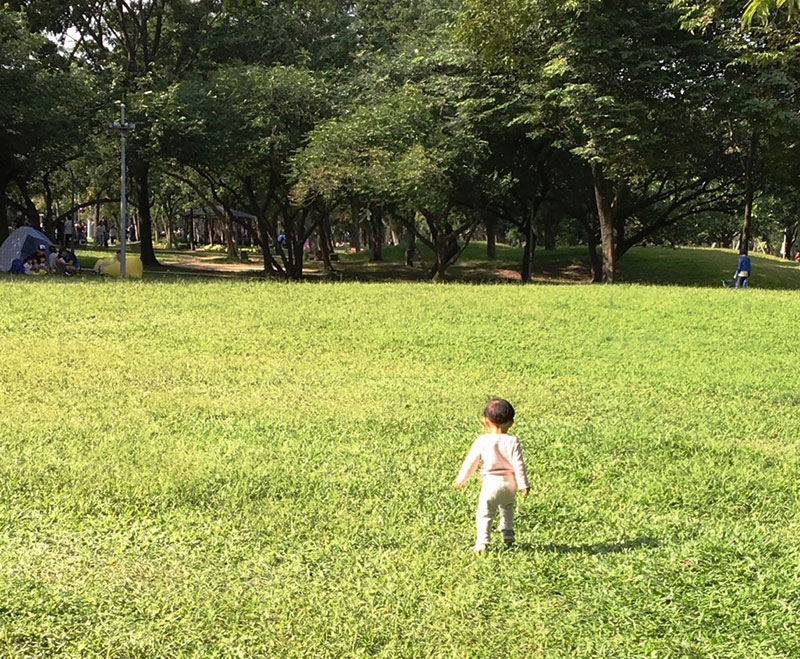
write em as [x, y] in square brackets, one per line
[499, 411]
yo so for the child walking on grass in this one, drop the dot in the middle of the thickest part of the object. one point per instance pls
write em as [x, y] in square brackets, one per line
[503, 472]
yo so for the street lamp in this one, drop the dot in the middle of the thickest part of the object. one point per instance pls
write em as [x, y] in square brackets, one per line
[124, 128]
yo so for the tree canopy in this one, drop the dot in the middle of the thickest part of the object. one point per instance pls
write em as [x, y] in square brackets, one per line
[608, 122]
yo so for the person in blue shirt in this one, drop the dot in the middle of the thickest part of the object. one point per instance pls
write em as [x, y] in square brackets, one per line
[17, 267]
[742, 274]
[67, 262]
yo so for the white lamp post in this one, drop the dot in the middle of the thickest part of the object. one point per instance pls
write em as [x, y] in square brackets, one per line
[124, 128]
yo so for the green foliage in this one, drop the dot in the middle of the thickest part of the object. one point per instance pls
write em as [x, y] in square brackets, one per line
[760, 11]
[264, 484]
[408, 150]
[614, 82]
[48, 108]
[246, 118]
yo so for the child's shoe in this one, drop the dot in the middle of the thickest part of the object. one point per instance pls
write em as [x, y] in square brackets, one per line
[479, 549]
[508, 538]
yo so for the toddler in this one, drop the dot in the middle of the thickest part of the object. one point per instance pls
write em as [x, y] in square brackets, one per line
[503, 472]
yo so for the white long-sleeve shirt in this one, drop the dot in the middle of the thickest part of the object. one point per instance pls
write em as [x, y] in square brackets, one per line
[501, 456]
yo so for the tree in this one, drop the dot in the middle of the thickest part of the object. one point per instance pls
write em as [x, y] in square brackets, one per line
[626, 111]
[49, 113]
[408, 153]
[137, 48]
[761, 97]
[235, 131]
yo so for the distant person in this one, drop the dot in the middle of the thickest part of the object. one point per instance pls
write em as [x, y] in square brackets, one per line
[503, 473]
[67, 262]
[17, 267]
[797, 257]
[112, 233]
[34, 266]
[69, 233]
[104, 264]
[52, 259]
[743, 270]
[100, 235]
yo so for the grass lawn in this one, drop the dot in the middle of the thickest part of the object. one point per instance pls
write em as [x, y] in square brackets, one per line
[247, 468]
[686, 266]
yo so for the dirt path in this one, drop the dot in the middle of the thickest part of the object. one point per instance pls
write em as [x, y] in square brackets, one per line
[206, 266]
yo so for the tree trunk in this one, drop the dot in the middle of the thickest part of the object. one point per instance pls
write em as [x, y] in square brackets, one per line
[230, 240]
[96, 222]
[49, 217]
[376, 233]
[141, 175]
[31, 214]
[355, 228]
[168, 223]
[265, 235]
[789, 236]
[192, 233]
[445, 247]
[595, 262]
[606, 212]
[3, 211]
[549, 231]
[491, 239]
[411, 247]
[297, 261]
[528, 250]
[294, 229]
[440, 257]
[325, 245]
[749, 166]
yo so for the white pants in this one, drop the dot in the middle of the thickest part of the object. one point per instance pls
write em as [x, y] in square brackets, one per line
[496, 492]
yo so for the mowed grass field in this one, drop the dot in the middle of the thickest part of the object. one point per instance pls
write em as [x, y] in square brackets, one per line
[258, 469]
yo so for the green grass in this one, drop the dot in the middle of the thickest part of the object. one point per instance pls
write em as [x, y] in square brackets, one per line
[233, 468]
[686, 266]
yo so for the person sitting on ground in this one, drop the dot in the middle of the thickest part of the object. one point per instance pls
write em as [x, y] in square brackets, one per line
[28, 266]
[17, 267]
[103, 264]
[742, 274]
[52, 257]
[33, 266]
[67, 262]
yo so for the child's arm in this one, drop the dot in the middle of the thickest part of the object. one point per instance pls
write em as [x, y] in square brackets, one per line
[520, 472]
[469, 466]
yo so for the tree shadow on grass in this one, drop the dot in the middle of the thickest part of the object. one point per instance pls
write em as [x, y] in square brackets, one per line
[642, 542]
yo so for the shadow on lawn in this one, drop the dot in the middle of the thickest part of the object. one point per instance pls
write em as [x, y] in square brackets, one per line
[642, 542]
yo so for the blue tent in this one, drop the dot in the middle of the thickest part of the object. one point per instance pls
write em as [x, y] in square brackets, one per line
[20, 245]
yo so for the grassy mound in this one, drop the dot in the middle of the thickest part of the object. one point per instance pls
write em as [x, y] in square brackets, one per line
[259, 469]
